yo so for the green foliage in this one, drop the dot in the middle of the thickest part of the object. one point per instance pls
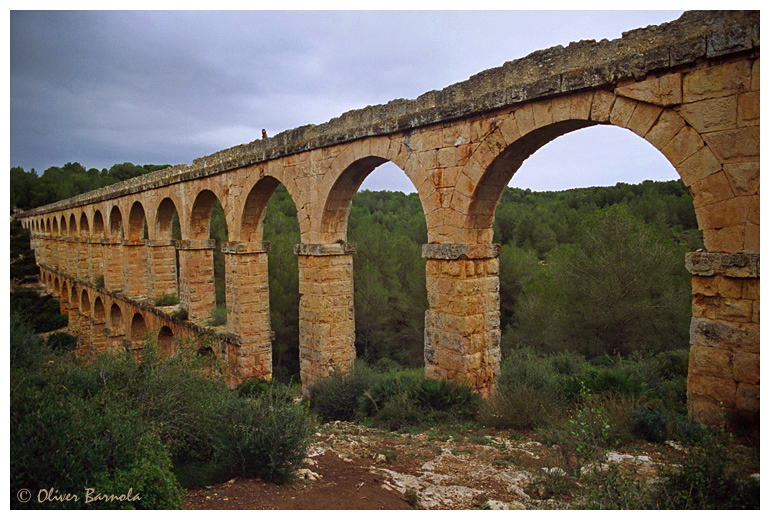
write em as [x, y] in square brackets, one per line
[26, 347]
[41, 312]
[706, 478]
[58, 183]
[252, 388]
[218, 316]
[23, 266]
[166, 300]
[61, 342]
[649, 424]
[621, 287]
[264, 437]
[336, 398]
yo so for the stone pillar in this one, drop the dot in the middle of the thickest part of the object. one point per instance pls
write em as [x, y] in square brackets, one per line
[161, 268]
[67, 248]
[47, 246]
[723, 377]
[73, 320]
[98, 335]
[81, 265]
[96, 262]
[115, 340]
[53, 261]
[326, 313]
[196, 278]
[248, 308]
[462, 323]
[113, 264]
[135, 268]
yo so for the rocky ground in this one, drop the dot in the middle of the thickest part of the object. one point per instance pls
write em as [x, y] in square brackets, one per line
[350, 466]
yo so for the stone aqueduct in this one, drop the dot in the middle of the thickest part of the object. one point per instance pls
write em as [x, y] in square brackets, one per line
[689, 87]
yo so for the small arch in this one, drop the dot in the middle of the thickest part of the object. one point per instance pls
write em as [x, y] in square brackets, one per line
[165, 218]
[116, 317]
[136, 221]
[63, 226]
[84, 227]
[200, 216]
[116, 224]
[166, 341]
[85, 301]
[48, 225]
[55, 226]
[138, 327]
[98, 224]
[98, 309]
[73, 297]
[254, 209]
[73, 227]
[56, 287]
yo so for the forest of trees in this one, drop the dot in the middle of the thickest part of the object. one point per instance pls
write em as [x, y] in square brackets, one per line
[595, 270]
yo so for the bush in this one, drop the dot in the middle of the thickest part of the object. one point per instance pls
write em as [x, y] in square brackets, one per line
[41, 312]
[649, 424]
[166, 300]
[520, 407]
[61, 342]
[706, 478]
[446, 396]
[26, 347]
[68, 443]
[252, 388]
[335, 398]
[218, 316]
[265, 437]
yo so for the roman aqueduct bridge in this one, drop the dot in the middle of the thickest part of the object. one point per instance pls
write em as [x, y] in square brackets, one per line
[689, 87]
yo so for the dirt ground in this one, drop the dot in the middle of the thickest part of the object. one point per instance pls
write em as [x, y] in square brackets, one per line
[350, 467]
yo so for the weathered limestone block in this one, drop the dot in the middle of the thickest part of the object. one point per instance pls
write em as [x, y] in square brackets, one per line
[113, 264]
[135, 268]
[462, 323]
[161, 268]
[326, 312]
[248, 307]
[95, 260]
[196, 278]
[739, 265]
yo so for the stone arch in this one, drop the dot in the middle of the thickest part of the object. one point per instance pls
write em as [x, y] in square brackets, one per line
[73, 298]
[116, 224]
[85, 301]
[57, 288]
[520, 133]
[200, 215]
[48, 225]
[355, 164]
[99, 309]
[98, 227]
[253, 212]
[63, 226]
[73, 227]
[55, 226]
[116, 317]
[166, 341]
[84, 227]
[164, 218]
[138, 327]
[136, 221]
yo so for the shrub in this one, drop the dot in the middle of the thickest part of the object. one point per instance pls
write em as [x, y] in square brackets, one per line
[519, 407]
[649, 424]
[61, 342]
[705, 478]
[218, 316]
[166, 300]
[446, 396]
[265, 437]
[335, 398]
[252, 388]
[26, 347]
[41, 312]
[387, 386]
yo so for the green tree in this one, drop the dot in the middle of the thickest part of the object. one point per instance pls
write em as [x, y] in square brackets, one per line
[621, 287]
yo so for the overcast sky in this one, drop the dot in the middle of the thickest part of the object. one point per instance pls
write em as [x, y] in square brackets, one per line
[162, 87]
